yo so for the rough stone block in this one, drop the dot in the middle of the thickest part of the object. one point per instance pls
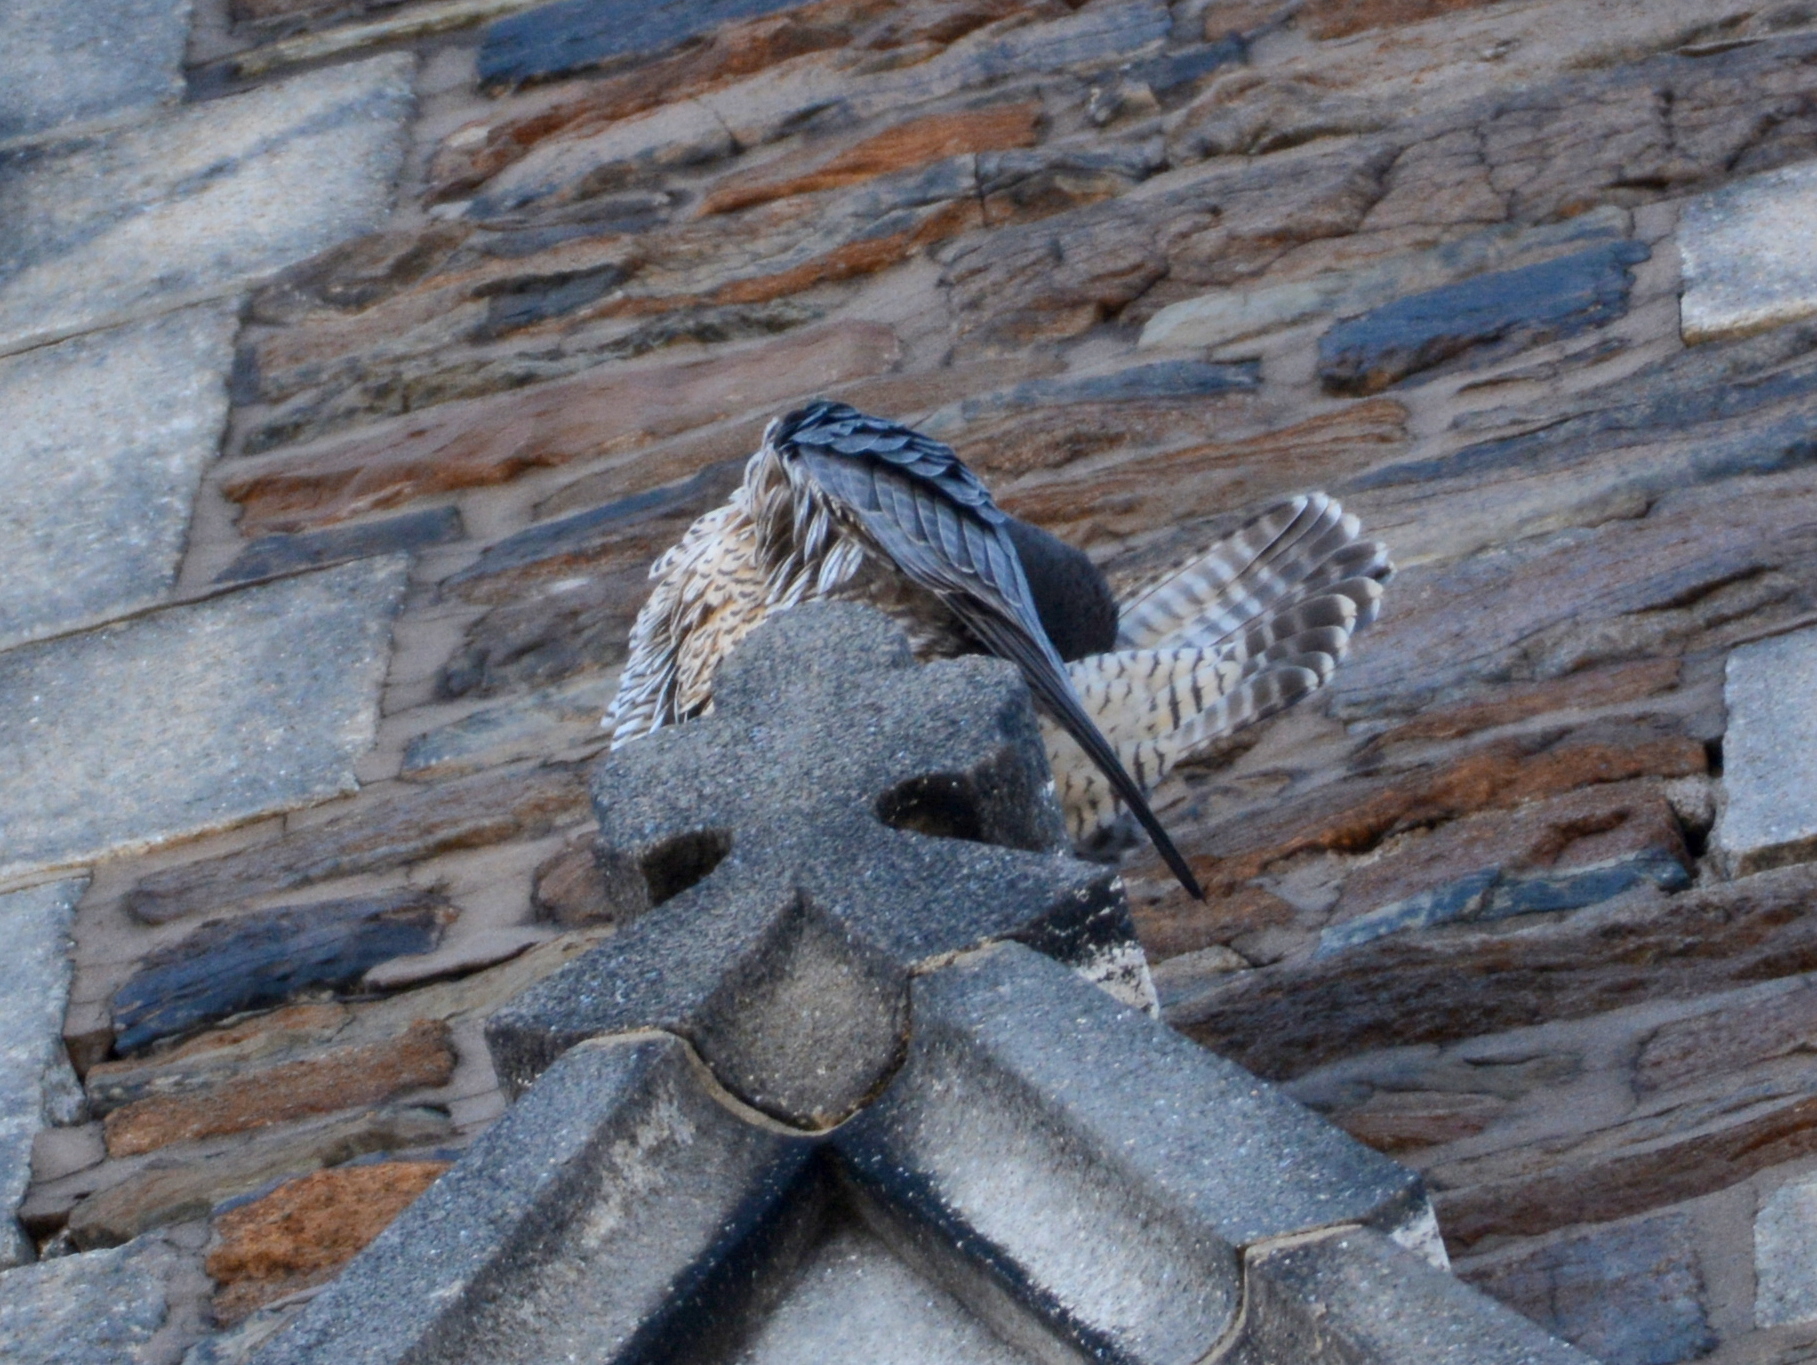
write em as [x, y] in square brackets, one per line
[575, 35]
[202, 1062]
[1355, 1298]
[1036, 1122]
[1769, 755]
[264, 958]
[193, 718]
[414, 825]
[1628, 1293]
[101, 1308]
[523, 728]
[1524, 306]
[199, 203]
[303, 1232]
[794, 858]
[1785, 1256]
[77, 63]
[104, 445]
[34, 982]
[1750, 257]
[280, 554]
[583, 1224]
[182, 1190]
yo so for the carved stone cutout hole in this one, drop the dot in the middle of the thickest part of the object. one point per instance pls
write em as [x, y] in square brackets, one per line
[684, 862]
[941, 805]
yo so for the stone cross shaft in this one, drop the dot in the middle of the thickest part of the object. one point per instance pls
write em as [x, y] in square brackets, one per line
[843, 819]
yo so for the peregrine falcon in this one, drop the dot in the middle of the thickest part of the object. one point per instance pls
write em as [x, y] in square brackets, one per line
[837, 504]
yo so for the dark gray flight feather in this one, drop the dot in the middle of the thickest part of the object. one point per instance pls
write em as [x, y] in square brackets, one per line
[938, 524]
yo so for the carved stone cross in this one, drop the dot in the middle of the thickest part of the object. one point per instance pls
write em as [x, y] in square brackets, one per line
[843, 819]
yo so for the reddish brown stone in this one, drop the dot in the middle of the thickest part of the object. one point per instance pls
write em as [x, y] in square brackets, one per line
[569, 889]
[907, 145]
[1341, 18]
[1283, 1020]
[1138, 495]
[1577, 692]
[251, 1041]
[603, 412]
[1402, 1121]
[303, 1232]
[1727, 1041]
[487, 809]
[1169, 922]
[247, 1098]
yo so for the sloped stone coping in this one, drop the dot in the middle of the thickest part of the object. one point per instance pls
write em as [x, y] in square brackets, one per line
[1032, 1170]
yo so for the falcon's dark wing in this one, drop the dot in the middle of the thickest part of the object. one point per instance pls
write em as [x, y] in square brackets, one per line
[937, 522]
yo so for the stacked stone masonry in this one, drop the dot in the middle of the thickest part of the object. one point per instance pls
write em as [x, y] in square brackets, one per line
[360, 357]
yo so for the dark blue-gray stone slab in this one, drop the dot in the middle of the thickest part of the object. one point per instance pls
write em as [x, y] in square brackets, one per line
[267, 957]
[198, 203]
[1163, 379]
[1535, 303]
[192, 718]
[584, 1225]
[105, 440]
[1038, 1123]
[269, 556]
[74, 63]
[34, 983]
[575, 35]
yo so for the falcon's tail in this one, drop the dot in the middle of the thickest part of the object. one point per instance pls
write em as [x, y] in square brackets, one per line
[1242, 631]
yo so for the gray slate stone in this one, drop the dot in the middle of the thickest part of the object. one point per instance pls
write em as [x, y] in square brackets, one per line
[1038, 1124]
[67, 63]
[1769, 755]
[1750, 255]
[199, 203]
[192, 718]
[520, 728]
[1355, 1298]
[270, 956]
[1629, 1293]
[104, 445]
[1785, 1255]
[1525, 306]
[790, 850]
[34, 983]
[575, 35]
[581, 1226]
[99, 1308]
[280, 554]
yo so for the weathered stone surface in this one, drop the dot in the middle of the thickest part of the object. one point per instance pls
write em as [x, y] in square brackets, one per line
[193, 718]
[465, 445]
[1589, 689]
[108, 226]
[1503, 310]
[624, 1147]
[197, 1063]
[568, 36]
[737, 833]
[188, 1187]
[280, 554]
[34, 980]
[528, 727]
[1341, 18]
[106, 439]
[1355, 1296]
[72, 64]
[1770, 754]
[337, 1078]
[1286, 1019]
[102, 1308]
[1562, 854]
[467, 814]
[1785, 1256]
[264, 958]
[303, 1232]
[1629, 1294]
[1728, 1041]
[1749, 263]
[569, 888]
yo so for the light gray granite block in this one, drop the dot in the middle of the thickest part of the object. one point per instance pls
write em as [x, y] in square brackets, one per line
[197, 204]
[102, 450]
[34, 983]
[1785, 1256]
[1769, 755]
[99, 1308]
[1750, 255]
[193, 718]
[64, 63]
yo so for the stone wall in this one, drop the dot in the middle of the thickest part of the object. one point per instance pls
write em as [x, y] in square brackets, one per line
[358, 358]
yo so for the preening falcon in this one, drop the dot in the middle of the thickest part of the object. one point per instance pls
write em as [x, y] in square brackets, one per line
[836, 504]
